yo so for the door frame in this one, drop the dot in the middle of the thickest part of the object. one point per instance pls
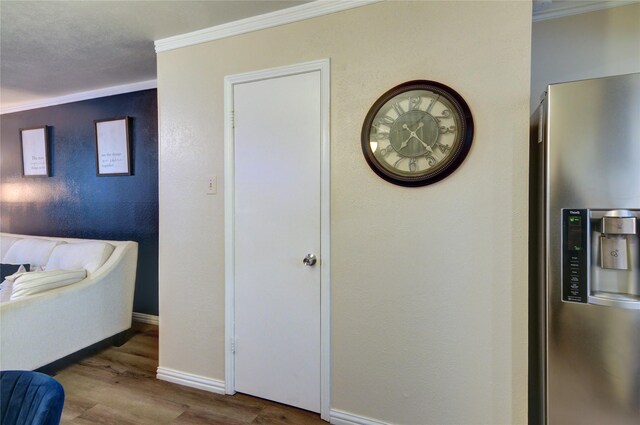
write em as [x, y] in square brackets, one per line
[323, 66]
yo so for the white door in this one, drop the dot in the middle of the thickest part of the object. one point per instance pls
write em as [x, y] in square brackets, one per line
[277, 160]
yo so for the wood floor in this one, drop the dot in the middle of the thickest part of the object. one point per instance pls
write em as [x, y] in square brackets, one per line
[118, 386]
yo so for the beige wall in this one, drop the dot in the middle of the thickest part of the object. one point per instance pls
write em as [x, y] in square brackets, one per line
[429, 285]
[590, 45]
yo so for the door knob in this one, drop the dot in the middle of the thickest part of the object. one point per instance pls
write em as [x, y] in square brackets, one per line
[309, 260]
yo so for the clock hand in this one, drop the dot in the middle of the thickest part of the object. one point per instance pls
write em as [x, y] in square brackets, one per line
[406, 142]
[423, 143]
[413, 134]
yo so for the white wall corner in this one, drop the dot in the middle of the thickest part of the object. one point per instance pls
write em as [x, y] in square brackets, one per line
[190, 380]
[149, 319]
[339, 417]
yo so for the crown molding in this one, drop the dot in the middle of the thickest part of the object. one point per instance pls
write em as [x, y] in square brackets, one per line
[255, 23]
[558, 10]
[76, 97]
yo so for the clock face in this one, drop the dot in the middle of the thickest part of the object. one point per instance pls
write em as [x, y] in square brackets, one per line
[417, 133]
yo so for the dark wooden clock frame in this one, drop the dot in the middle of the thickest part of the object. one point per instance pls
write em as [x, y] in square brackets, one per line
[456, 158]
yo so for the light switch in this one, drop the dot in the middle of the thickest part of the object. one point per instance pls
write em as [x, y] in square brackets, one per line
[212, 185]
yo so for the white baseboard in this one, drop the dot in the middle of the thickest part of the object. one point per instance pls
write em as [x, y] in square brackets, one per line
[146, 318]
[337, 417]
[190, 380]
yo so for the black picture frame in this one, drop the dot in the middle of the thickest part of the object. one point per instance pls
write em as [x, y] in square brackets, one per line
[35, 150]
[113, 146]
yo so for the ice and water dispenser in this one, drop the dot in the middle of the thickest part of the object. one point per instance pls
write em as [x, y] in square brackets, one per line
[601, 257]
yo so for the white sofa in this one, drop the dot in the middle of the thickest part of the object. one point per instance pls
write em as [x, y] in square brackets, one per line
[38, 329]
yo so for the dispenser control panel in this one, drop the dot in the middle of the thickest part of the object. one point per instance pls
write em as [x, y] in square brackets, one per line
[575, 263]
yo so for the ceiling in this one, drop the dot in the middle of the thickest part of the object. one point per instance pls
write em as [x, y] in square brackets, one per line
[50, 49]
[54, 48]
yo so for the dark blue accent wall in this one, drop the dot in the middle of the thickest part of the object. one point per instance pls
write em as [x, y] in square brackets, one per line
[73, 201]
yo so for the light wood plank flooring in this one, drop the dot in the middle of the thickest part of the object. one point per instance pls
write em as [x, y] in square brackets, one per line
[118, 386]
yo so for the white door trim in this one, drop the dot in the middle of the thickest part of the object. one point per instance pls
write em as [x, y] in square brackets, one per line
[325, 234]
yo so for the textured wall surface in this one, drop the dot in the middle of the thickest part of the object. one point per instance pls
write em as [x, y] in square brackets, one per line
[428, 285]
[590, 45]
[73, 201]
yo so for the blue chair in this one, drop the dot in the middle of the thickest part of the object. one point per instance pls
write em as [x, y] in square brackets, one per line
[30, 398]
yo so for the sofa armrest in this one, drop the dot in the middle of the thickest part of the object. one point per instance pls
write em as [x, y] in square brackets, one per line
[39, 329]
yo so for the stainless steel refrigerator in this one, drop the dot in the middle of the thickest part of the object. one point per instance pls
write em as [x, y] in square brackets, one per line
[584, 265]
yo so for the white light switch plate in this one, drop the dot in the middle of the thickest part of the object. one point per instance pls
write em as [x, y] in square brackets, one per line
[212, 185]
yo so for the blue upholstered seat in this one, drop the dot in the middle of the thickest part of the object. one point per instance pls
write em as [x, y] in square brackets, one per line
[30, 398]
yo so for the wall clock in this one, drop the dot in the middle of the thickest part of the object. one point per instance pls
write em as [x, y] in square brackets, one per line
[417, 133]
